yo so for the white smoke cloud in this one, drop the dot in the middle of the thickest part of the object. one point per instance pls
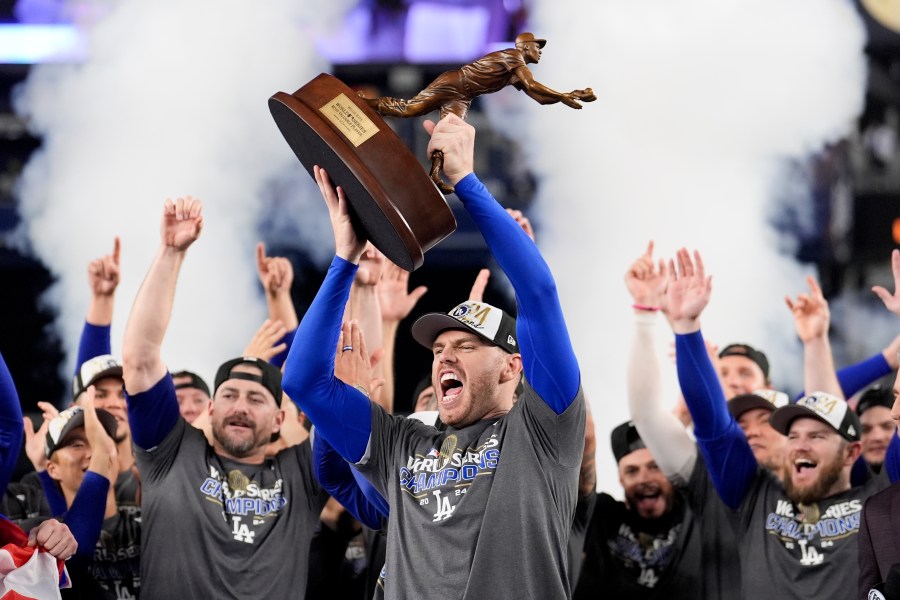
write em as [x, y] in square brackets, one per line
[698, 104]
[171, 101]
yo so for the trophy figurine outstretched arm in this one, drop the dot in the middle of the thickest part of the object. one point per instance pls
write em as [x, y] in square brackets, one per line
[453, 91]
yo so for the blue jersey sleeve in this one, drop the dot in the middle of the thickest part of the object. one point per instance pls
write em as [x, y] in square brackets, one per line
[858, 376]
[336, 477]
[892, 459]
[12, 426]
[547, 356]
[732, 466]
[339, 411]
[94, 342]
[85, 517]
[55, 500]
[153, 414]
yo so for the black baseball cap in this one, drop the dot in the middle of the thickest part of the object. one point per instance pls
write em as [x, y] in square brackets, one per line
[269, 379]
[875, 396]
[62, 425]
[624, 440]
[196, 382]
[488, 322]
[766, 399]
[750, 352]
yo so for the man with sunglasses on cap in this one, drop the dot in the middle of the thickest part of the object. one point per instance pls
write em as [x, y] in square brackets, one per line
[798, 526]
[247, 515]
[497, 488]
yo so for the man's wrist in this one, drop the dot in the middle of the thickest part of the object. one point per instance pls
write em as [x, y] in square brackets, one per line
[685, 326]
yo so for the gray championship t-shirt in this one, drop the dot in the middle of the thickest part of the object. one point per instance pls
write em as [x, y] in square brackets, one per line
[483, 511]
[803, 552]
[215, 528]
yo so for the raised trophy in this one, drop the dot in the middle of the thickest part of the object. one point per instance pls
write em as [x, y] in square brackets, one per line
[393, 201]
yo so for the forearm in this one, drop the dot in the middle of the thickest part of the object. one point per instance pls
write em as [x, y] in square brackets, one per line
[149, 319]
[281, 308]
[547, 356]
[389, 331]
[11, 425]
[662, 432]
[818, 368]
[339, 411]
[100, 310]
[365, 308]
[728, 456]
[85, 516]
[95, 341]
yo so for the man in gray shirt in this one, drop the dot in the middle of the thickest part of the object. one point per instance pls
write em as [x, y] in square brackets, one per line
[483, 508]
[248, 518]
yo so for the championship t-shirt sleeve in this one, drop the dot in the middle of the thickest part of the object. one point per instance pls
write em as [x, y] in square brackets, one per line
[548, 359]
[153, 413]
[557, 436]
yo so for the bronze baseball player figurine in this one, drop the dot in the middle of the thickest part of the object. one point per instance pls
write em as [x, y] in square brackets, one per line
[453, 91]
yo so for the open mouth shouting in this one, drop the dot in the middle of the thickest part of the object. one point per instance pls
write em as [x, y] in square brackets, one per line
[451, 388]
[804, 470]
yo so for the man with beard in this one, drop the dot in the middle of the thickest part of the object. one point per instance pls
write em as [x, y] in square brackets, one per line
[242, 512]
[647, 546]
[482, 509]
[799, 529]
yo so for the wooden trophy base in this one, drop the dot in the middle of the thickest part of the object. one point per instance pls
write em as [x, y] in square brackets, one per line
[393, 201]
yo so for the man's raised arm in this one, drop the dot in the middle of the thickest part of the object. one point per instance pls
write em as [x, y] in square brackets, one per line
[547, 356]
[142, 364]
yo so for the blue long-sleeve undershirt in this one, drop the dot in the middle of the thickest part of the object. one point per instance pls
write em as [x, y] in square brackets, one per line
[343, 483]
[153, 413]
[856, 377]
[723, 445]
[339, 411]
[85, 517]
[12, 427]
[94, 342]
[548, 359]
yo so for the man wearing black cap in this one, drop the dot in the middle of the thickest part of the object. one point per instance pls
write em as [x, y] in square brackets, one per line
[799, 529]
[647, 546]
[743, 369]
[878, 428]
[244, 513]
[192, 393]
[482, 509]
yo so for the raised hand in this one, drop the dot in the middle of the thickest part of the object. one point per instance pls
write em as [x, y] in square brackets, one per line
[456, 139]
[891, 301]
[346, 243]
[811, 314]
[104, 456]
[479, 285]
[182, 223]
[371, 265]
[352, 363]
[103, 273]
[276, 273]
[522, 220]
[35, 442]
[394, 297]
[265, 344]
[688, 292]
[647, 281]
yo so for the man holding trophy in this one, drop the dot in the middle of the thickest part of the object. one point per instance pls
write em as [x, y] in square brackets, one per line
[496, 485]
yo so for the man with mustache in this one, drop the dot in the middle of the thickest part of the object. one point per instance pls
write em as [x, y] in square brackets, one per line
[647, 546]
[800, 528]
[227, 502]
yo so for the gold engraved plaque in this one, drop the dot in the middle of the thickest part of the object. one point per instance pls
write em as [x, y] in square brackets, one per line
[351, 121]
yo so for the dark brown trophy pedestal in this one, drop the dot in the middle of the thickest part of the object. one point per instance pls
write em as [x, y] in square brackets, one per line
[393, 201]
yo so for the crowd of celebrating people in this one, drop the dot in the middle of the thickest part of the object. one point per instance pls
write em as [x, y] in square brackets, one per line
[292, 476]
